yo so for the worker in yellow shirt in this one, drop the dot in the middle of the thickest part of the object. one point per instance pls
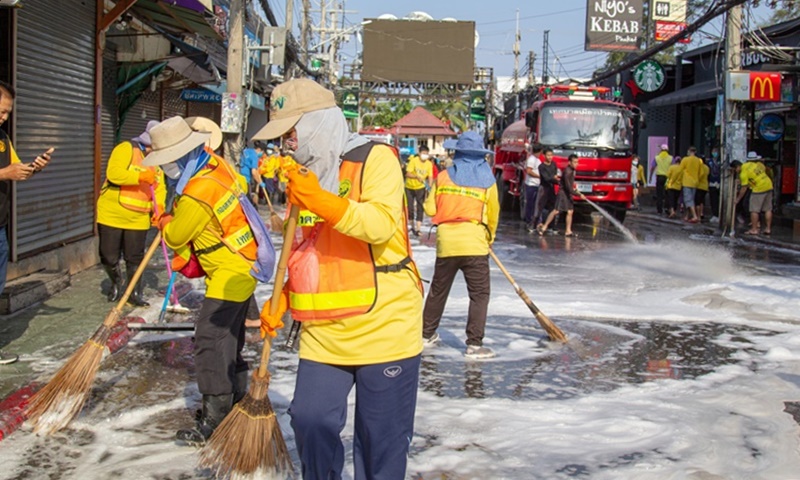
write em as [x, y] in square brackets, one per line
[691, 167]
[465, 209]
[659, 167]
[208, 221]
[702, 190]
[753, 175]
[419, 176]
[673, 186]
[359, 302]
[125, 212]
[268, 169]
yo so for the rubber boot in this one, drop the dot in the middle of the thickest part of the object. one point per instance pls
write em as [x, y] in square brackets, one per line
[115, 274]
[215, 409]
[240, 386]
[136, 297]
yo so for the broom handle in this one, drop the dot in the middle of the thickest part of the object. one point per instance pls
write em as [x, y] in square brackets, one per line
[170, 293]
[117, 310]
[552, 330]
[286, 250]
[269, 202]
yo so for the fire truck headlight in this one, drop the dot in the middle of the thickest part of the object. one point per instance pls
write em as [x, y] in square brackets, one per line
[618, 174]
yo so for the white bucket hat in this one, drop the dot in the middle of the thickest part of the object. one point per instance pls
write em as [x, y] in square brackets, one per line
[172, 139]
[203, 124]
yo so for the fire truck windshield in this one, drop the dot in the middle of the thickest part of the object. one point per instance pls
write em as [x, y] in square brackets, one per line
[585, 126]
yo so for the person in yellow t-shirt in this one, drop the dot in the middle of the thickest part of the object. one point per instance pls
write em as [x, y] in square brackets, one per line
[753, 176]
[125, 212]
[367, 303]
[465, 208]
[268, 170]
[673, 186]
[691, 167]
[419, 176]
[209, 218]
[659, 168]
[702, 190]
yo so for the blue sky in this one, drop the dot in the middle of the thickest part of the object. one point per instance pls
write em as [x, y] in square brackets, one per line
[496, 23]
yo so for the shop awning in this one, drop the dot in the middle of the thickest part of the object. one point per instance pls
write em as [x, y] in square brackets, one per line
[695, 93]
[178, 16]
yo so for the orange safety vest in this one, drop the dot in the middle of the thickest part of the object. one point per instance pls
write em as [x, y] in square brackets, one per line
[455, 203]
[216, 187]
[135, 197]
[347, 283]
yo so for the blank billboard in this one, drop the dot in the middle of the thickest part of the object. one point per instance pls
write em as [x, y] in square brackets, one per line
[418, 51]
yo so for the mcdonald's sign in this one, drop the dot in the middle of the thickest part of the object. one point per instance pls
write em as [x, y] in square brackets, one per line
[765, 87]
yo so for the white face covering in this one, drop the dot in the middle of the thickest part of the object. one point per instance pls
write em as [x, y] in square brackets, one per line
[424, 156]
[636, 162]
[321, 139]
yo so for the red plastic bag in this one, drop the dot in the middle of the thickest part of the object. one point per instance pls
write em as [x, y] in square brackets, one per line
[192, 269]
[304, 265]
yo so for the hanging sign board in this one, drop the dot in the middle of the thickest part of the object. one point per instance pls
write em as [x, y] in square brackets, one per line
[613, 25]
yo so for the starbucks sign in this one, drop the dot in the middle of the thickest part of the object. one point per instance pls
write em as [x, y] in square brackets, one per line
[649, 76]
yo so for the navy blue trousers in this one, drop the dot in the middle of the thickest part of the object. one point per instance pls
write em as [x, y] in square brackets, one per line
[386, 398]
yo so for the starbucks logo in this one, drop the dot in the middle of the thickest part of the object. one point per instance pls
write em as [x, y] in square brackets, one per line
[649, 76]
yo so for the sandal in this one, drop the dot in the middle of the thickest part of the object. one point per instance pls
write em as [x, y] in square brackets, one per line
[571, 235]
[751, 233]
[766, 232]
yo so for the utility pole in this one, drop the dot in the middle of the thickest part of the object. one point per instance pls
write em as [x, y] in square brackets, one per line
[323, 28]
[289, 69]
[332, 61]
[515, 88]
[531, 61]
[234, 142]
[733, 61]
[305, 30]
[545, 46]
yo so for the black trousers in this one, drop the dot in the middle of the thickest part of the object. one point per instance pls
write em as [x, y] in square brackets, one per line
[218, 343]
[661, 184]
[476, 274]
[119, 241]
[415, 199]
[713, 195]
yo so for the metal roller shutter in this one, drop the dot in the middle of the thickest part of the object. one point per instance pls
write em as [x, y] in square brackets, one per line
[147, 108]
[109, 104]
[55, 106]
[208, 110]
[173, 105]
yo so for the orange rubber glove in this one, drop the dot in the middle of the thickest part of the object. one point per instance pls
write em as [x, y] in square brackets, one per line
[163, 220]
[270, 324]
[148, 177]
[304, 190]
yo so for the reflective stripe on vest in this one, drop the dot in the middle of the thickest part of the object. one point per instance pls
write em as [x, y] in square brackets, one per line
[137, 197]
[455, 203]
[214, 186]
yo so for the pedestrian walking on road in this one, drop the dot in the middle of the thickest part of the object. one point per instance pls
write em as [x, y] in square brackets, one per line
[11, 169]
[125, 212]
[419, 175]
[465, 208]
[660, 166]
[546, 196]
[673, 187]
[564, 201]
[360, 299]
[714, 178]
[691, 168]
[532, 185]
[209, 222]
[637, 179]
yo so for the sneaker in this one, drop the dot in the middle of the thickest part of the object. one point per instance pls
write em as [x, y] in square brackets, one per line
[430, 341]
[478, 352]
[6, 358]
[714, 219]
[530, 228]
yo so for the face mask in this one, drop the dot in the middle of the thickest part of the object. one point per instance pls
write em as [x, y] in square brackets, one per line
[714, 154]
[424, 156]
[635, 162]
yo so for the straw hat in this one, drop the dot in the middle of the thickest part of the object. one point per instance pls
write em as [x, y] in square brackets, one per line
[203, 124]
[172, 139]
[289, 101]
[144, 137]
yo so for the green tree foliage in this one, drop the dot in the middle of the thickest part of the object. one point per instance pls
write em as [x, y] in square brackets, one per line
[784, 10]
[454, 111]
[384, 114]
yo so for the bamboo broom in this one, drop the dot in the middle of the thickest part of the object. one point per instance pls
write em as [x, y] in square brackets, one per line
[275, 221]
[249, 439]
[552, 330]
[54, 406]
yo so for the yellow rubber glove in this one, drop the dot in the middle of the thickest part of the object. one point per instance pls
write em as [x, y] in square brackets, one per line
[270, 324]
[148, 177]
[304, 190]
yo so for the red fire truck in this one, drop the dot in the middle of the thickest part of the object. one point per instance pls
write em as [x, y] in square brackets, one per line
[586, 121]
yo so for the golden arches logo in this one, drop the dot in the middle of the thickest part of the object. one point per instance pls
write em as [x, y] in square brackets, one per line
[764, 83]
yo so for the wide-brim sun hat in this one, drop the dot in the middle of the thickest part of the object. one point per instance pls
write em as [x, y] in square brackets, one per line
[471, 142]
[289, 101]
[203, 124]
[753, 156]
[144, 137]
[172, 139]
[449, 144]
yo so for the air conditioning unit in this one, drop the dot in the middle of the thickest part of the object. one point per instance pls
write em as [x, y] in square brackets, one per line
[9, 3]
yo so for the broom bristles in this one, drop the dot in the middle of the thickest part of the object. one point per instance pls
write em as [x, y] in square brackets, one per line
[249, 439]
[53, 407]
[552, 330]
[276, 223]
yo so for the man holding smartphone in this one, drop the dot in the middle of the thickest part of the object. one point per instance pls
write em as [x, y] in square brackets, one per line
[11, 169]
